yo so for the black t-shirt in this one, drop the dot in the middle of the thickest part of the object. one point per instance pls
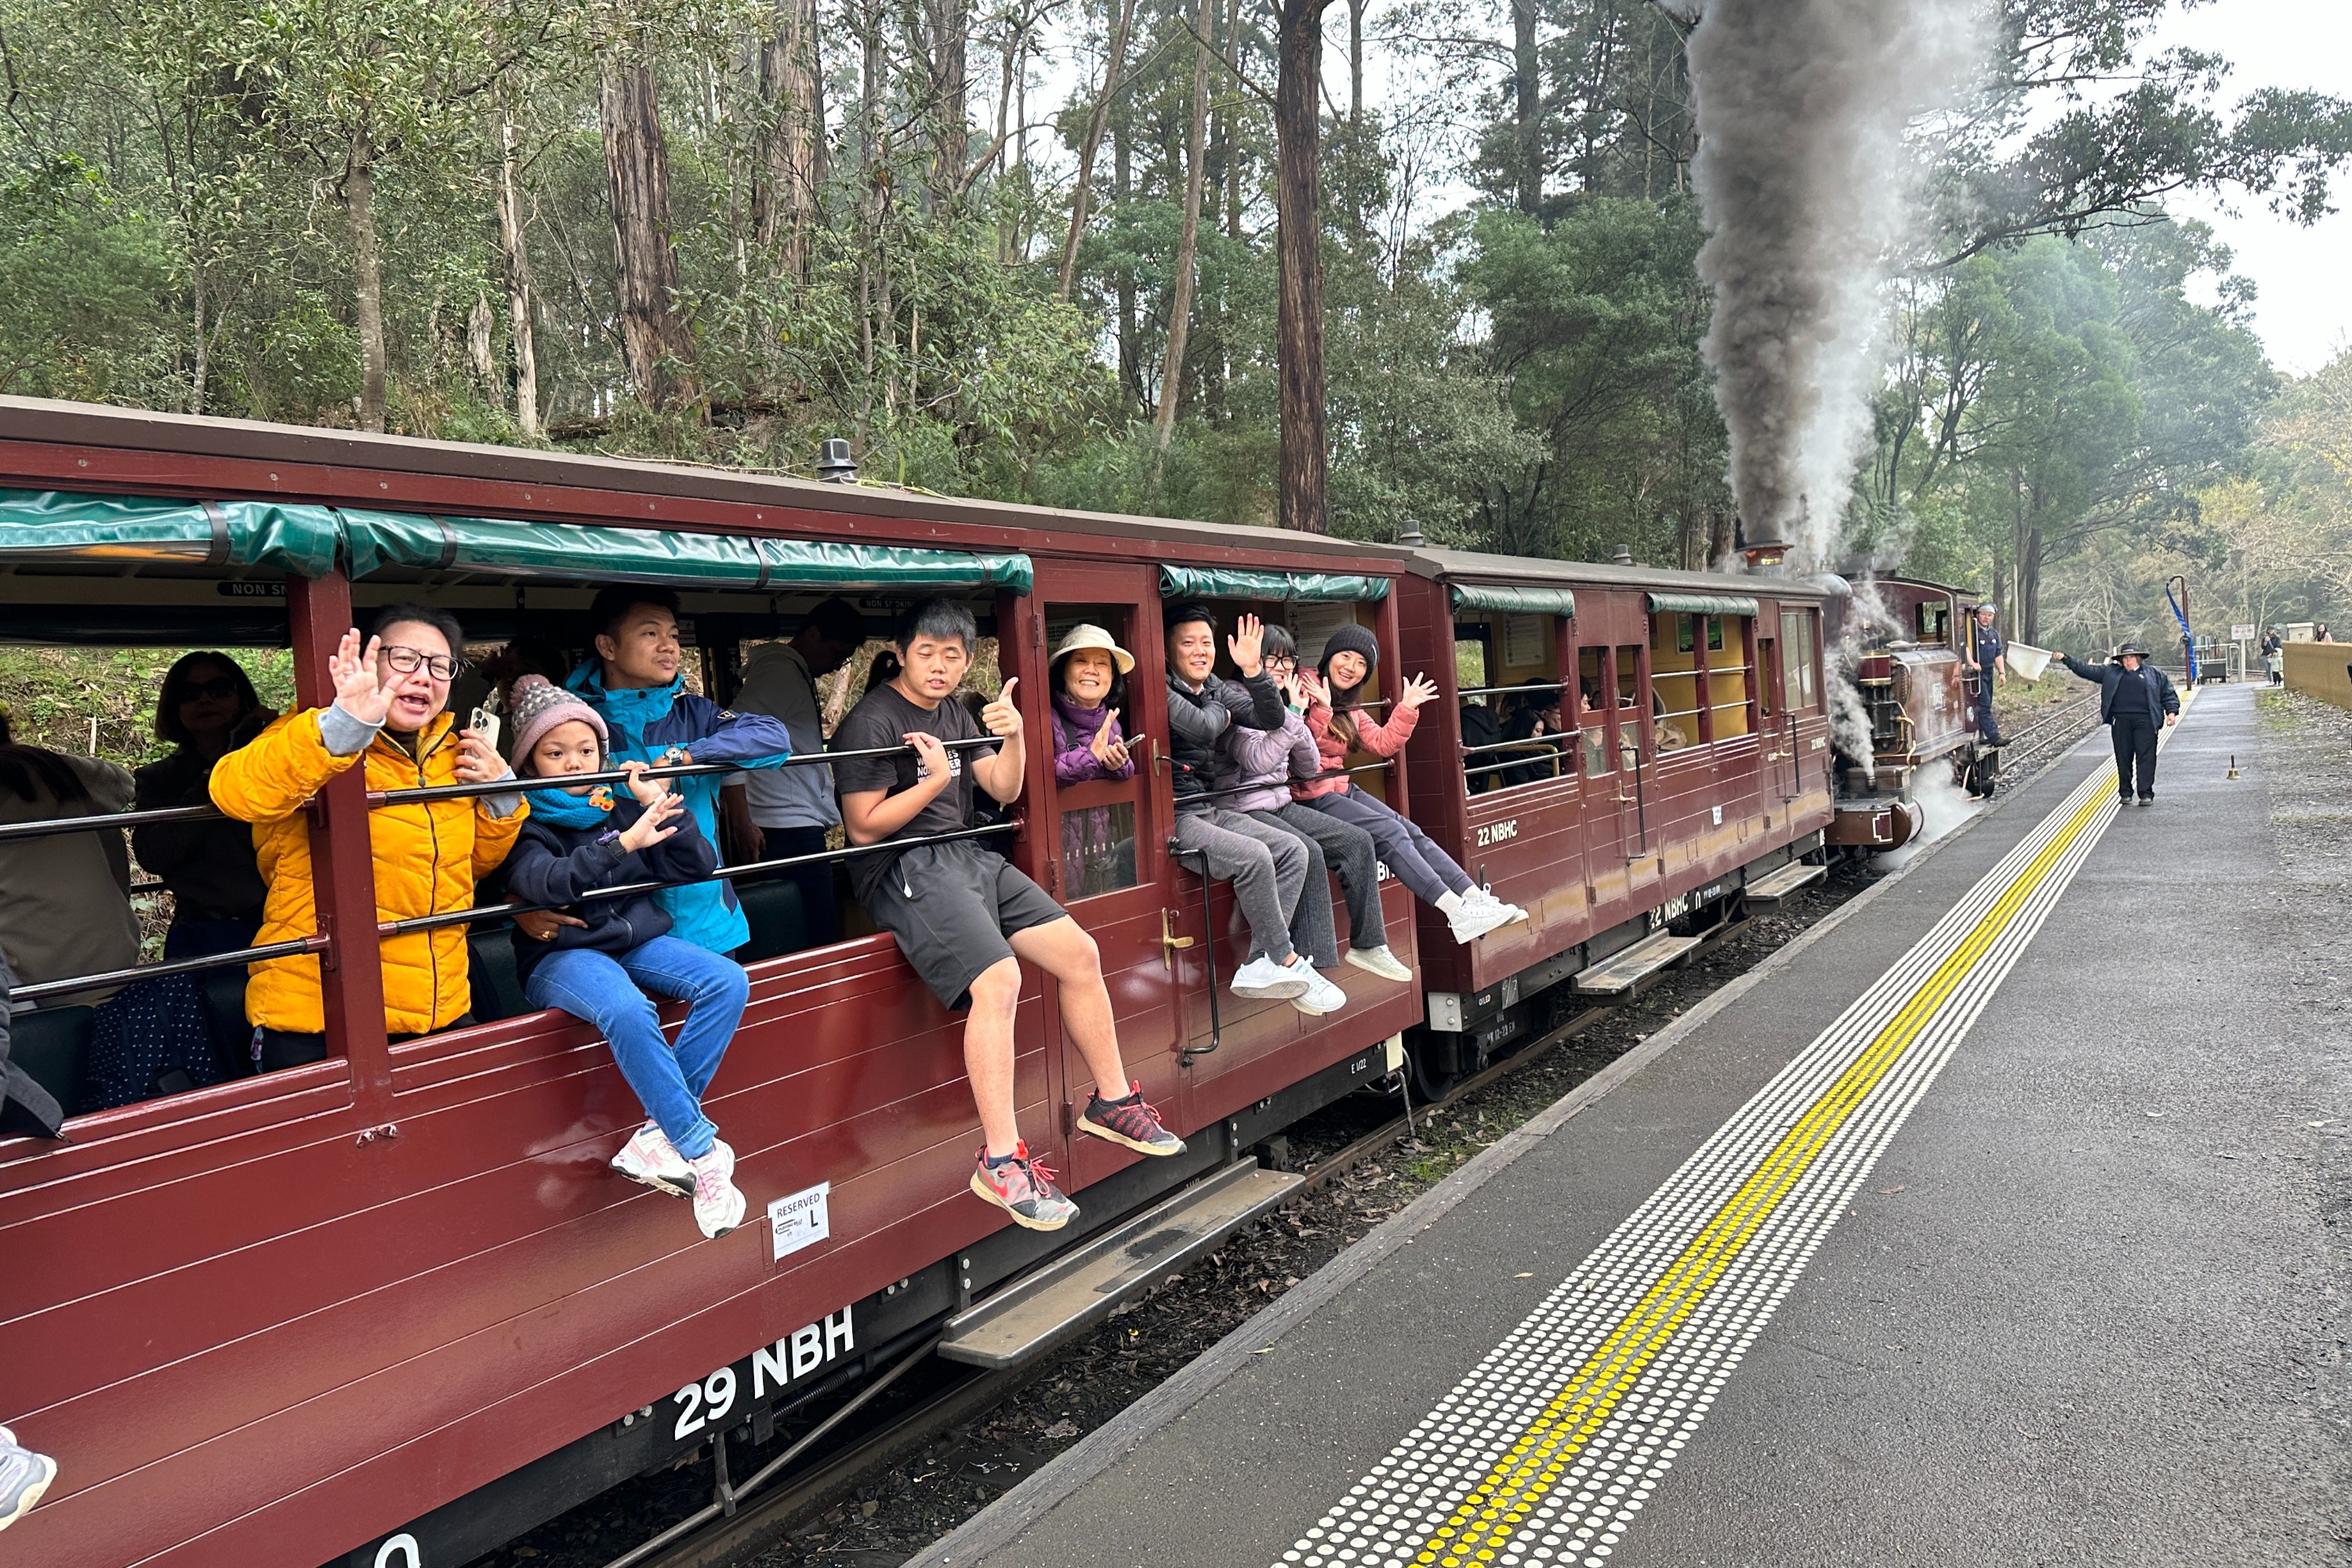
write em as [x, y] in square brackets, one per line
[2132, 695]
[885, 718]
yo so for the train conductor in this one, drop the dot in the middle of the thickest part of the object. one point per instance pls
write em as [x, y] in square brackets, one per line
[1986, 659]
[2136, 700]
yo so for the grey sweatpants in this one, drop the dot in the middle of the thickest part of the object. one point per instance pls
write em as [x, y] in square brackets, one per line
[1268, 867]
[1349, 851]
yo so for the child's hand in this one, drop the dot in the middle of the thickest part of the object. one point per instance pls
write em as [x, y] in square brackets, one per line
[648, 791]
[1311, 682]
[1417, 690]
[654, 825]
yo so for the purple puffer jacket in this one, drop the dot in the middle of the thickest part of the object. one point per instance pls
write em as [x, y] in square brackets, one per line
[1073, 735]
[1266, 761]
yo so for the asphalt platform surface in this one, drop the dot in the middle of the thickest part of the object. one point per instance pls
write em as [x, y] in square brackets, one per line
[2088, 1307]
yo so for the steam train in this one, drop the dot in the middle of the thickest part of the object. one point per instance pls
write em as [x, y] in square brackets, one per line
[1901, 651]
[391, 1309]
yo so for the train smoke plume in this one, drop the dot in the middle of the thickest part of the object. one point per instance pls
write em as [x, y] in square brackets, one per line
[1804, 180]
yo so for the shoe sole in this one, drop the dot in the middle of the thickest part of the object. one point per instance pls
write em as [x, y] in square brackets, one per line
[980, 1190]
[1113, 1135]
[31, 1494]
[1405, 978]
[648, 1179]
[1280, 991]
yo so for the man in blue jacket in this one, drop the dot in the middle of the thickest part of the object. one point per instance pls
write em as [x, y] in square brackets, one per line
[2136, 700]
[635, 684]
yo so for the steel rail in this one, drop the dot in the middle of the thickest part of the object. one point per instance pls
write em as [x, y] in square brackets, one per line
[313, 943]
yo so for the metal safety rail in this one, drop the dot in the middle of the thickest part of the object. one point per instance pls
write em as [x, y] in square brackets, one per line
[320, 944]
[1532, 753]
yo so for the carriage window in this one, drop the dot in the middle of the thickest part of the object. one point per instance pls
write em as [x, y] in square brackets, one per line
[1592, 686]
[1797, 679]
[1727, 675]
[1094, 784]
[1934, 621]
[1674, 679]
[1629, 705]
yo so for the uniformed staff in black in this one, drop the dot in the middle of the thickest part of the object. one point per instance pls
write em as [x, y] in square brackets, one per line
[1985, 651]
[2136, 700]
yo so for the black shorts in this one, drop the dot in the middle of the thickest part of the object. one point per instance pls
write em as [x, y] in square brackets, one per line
[951, 906]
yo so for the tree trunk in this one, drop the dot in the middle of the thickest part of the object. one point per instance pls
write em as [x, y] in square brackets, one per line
[1233, 135]
[1355, 63]
[202, 373]
[521, 309]
[1180, 307]
[367, 279]
[1130, 336]
[1527, 95]
[654, 339]
[1298, 130]
[1112, 63]
[949, 23]
[786, 191]
[481, 359]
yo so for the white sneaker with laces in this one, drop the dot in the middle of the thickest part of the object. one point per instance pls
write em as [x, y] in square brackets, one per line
[1470, 921]
[649, 1158]
[718, 1201]
[1378, 961]
[1321, 997]
[1261, 979]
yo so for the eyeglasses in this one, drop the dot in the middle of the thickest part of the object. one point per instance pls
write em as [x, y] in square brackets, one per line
[408, 660]
[218, 686]
[1281, 661]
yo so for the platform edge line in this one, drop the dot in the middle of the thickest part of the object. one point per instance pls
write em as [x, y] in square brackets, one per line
[1003, 1521]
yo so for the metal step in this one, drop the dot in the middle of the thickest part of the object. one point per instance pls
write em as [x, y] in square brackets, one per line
[1032, 1315]
[1771, 890]
[1619, 975]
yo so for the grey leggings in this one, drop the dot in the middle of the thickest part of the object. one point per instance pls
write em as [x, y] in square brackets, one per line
[1288, 909]
[1416, 862]
[1349, 851]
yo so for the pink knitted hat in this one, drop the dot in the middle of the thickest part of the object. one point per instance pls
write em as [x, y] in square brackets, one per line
[537, 705]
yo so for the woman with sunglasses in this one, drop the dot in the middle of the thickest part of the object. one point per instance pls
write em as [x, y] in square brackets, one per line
[207, 709]
[390, 714]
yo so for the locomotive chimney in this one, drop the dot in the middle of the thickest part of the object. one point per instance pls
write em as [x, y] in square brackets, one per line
[1410, 536]
[1761, 554]
[1625, 556]
[835, 466]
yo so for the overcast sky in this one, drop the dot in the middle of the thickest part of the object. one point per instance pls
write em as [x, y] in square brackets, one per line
[2304, 310]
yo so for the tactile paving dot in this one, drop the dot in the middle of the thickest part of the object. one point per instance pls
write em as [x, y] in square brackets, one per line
[1547, 1450]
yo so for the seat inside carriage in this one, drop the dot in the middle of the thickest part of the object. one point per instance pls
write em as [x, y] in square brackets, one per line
[104, 588]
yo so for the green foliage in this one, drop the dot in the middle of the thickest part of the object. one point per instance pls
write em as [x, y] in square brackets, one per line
[85, 289]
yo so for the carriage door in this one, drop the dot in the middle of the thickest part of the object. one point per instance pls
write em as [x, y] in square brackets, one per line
[1106, 849]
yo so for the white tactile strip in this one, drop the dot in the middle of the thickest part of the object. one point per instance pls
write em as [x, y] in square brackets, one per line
[1549, 1448]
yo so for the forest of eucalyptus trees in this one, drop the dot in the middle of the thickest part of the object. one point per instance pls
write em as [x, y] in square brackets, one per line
[1350, 264]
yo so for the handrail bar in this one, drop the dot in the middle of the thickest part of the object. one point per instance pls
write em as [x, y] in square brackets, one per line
[91, 822]
[1523, 744]
[299, 945]
[1314, 778]
[751, 871]
[1557, 758]
[1506, 691]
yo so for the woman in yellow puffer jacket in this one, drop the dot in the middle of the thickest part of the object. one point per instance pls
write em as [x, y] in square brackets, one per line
[389, 707]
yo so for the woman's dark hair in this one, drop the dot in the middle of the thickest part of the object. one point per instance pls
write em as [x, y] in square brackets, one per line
[174, 692]
[25, 770]
[937, 619]
[441, 621]
[1278, 643]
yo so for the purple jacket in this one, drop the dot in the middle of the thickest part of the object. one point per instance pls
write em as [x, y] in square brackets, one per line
[1269, 760]
[1073, 735]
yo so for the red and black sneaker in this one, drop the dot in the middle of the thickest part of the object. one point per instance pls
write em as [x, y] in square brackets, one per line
[1023, 1188]
[1129, 1121]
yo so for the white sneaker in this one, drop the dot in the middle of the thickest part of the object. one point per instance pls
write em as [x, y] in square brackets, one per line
[718, 1201]
[649, 1158]
[1472, 921]
[1378, 961]
[1261, 979]
[1321, 997]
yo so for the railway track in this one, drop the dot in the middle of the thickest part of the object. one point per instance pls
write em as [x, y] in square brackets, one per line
[720, 1534]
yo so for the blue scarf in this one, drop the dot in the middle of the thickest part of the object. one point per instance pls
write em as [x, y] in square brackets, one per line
[564, 809]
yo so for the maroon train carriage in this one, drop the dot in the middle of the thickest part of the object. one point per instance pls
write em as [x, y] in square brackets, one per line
[1688, 771]
[1902, 643]
[391, 1307]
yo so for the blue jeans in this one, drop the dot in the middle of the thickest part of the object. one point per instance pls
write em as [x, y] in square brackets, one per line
[604, 990]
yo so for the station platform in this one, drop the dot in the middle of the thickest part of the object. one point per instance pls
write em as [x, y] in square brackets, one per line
[1987, 1223]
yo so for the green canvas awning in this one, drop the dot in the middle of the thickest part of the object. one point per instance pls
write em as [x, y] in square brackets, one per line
[598, 553]
[1514, 600]
[1704, 603]
[59, 525]
[1236, 583]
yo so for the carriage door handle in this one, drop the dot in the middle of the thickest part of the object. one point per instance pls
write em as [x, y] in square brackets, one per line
[1170, 942]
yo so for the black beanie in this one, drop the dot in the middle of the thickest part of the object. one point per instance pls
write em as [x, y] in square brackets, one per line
[1352, 639]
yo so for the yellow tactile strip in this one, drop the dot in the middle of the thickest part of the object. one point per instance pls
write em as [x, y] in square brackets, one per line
[1549, 1449]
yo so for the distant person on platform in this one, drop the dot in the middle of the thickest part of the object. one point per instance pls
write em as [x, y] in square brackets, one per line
[2275, 656]
[1988, 663]
[2135, 702]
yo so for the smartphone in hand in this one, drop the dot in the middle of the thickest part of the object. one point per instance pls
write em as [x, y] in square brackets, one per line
[485, 723]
